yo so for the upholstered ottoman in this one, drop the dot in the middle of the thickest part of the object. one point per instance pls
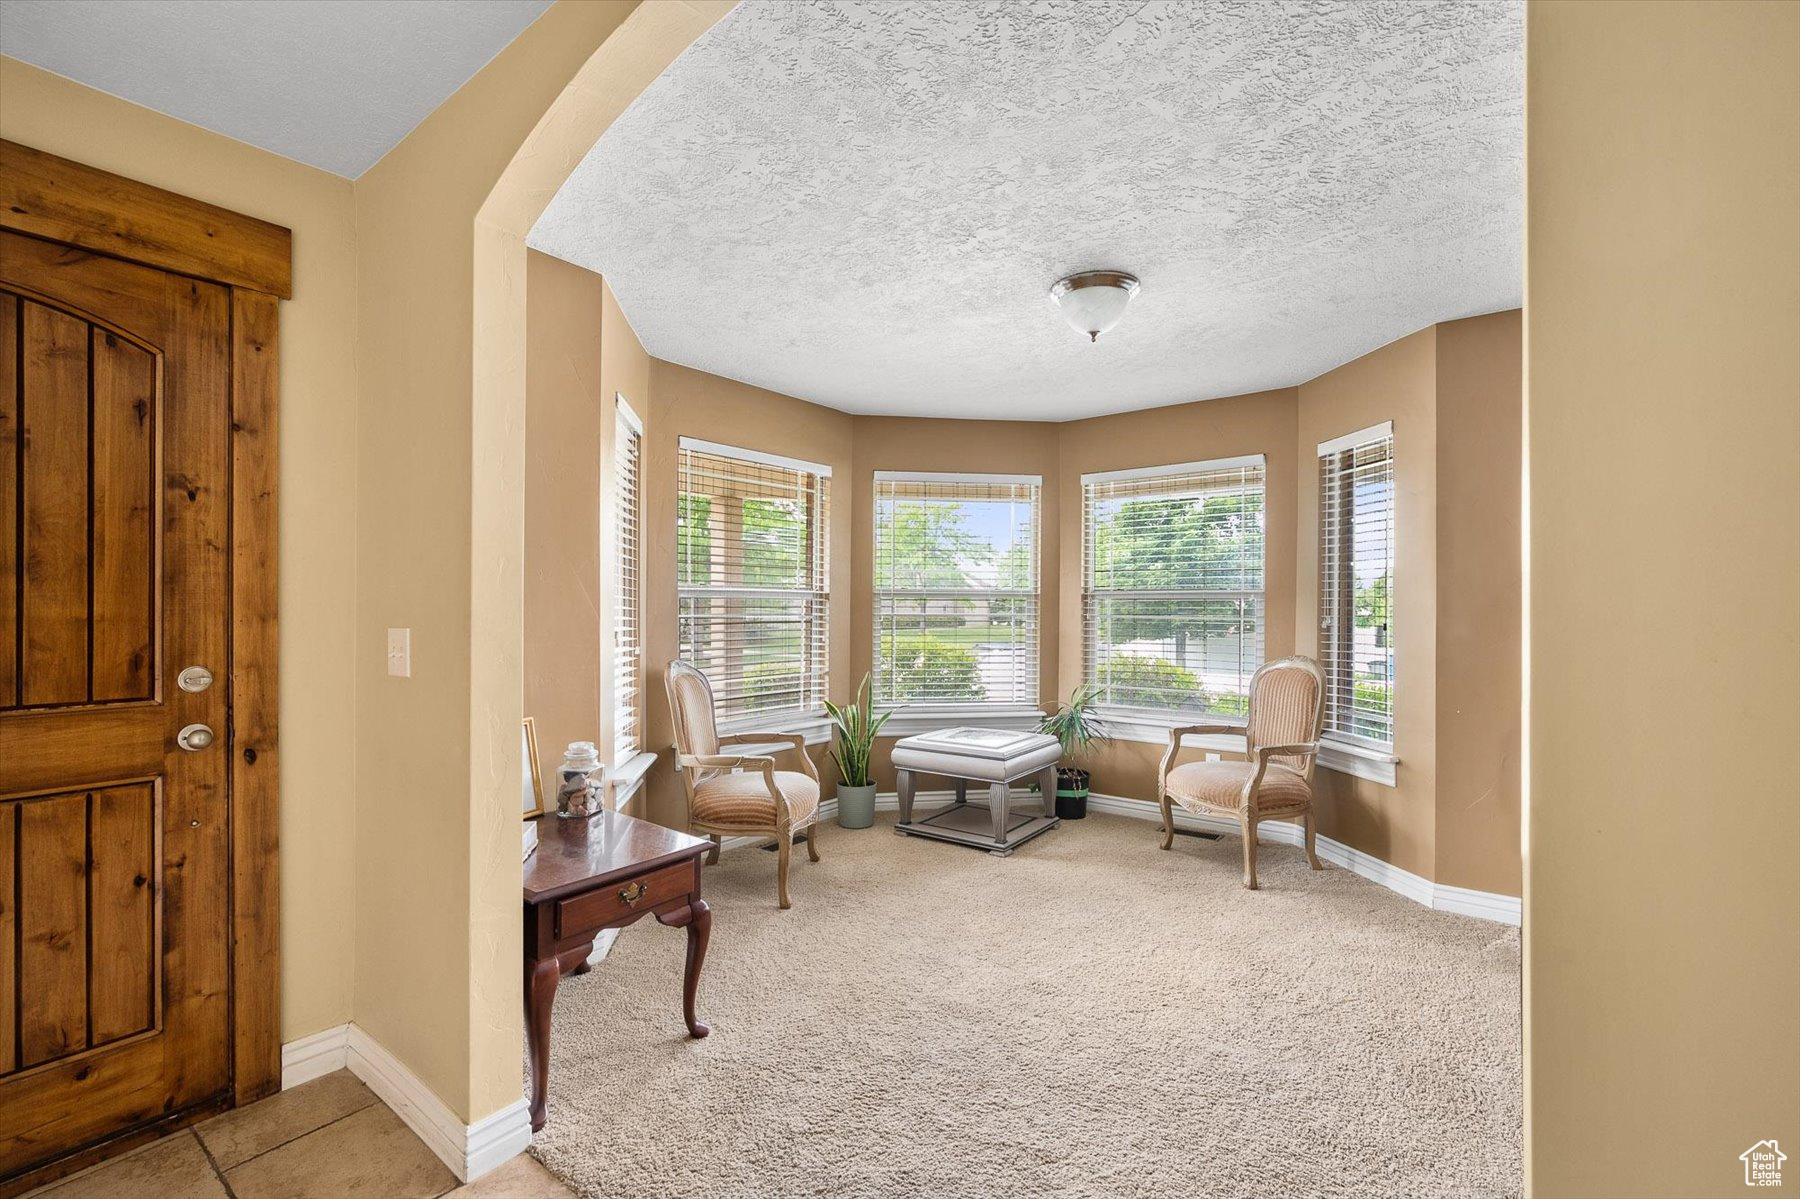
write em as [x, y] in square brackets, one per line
[984, 756]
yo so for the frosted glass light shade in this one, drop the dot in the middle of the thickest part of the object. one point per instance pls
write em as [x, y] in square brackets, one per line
[1093, 301]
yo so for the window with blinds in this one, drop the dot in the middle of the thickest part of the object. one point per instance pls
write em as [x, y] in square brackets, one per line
[956, 589]
[1356, 585]
[1173, 587]
[751, 572]
[628, 645]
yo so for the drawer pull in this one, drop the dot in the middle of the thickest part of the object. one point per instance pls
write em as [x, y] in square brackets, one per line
[630, 895]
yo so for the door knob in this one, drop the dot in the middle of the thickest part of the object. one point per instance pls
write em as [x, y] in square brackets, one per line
[194, 737]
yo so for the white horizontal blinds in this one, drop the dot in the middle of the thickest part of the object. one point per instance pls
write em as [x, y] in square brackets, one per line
[1356, 573]
[956, 590]
[752, 579]
[1173, 595]
[628, 645]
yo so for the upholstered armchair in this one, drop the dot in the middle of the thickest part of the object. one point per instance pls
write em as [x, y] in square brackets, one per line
[1287, 702]
[739, 795]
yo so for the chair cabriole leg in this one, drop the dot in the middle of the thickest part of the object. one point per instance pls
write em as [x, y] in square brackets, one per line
[1312, 857]
[1168, 828]
[785, 840]
[1248, 824]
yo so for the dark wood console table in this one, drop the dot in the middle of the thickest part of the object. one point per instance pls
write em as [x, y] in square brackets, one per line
[589, 875]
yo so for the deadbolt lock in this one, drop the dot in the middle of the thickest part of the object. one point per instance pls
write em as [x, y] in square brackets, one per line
[194, 678]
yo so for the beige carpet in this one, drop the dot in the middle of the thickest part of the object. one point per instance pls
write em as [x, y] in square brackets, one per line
[1090, 1017]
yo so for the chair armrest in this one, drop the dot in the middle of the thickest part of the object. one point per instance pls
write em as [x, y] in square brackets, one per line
[1263, 754]
[722, 761]
[794, 741]
[1205, 730]
[1192, 730]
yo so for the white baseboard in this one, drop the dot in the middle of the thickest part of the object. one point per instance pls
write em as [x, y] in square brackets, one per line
[314, 1056]
[470, 1150]
[1483, 905]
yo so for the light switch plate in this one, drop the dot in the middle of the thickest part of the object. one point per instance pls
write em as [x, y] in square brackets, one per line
[399, 653]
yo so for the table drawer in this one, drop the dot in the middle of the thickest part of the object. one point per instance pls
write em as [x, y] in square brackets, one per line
[617, 900]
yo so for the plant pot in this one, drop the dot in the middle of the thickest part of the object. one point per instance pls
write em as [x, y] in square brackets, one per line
[1071, 793]
[856, 806]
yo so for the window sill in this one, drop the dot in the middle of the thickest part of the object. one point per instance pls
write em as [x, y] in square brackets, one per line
[628, 778]
[929, 718]
[1375, 765]
[1154, 730]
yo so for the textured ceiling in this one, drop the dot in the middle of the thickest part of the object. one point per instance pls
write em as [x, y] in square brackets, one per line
[331, 83]
[865, 204]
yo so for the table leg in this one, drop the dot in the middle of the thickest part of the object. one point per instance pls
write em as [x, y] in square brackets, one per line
[998, 796]
[697, 919]
[541, 977]
[1047, 788]
[962, 790]
[903, 787]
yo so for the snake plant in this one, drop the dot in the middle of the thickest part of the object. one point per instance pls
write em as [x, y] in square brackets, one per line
[857, 729]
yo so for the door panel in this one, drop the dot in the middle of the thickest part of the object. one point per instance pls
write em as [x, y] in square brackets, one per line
[9, 522]
[85, 912]
[53, 610]
[122, 476]
[52, 849]
[85, 402]
[115, 431]
[122, 949]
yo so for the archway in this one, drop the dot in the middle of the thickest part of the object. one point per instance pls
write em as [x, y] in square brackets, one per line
[634, 55]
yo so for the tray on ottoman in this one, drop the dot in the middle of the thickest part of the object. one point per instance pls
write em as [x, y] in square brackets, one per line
[988, 756]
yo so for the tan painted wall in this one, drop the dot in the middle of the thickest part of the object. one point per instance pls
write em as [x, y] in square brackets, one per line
[318, 486]
[690, 403]
[1399, 383]
[583, 354]
[1662, 997]
[1262, 423]
[442, 352]
[565, 443]
[1480, 438]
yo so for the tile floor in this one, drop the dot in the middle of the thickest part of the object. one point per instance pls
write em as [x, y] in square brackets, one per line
[328, 1139]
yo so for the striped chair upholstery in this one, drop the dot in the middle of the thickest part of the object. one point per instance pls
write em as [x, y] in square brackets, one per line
[1286, 709]
[1219, 786]
[742, 801]
[731, 795]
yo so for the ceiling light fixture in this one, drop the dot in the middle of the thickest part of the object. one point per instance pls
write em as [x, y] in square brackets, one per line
[1093, 301]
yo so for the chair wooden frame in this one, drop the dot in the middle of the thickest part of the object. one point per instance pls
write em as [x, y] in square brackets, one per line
[1250, 810]
[690, 766]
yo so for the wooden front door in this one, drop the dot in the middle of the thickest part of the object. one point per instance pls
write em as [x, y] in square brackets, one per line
[115, 817]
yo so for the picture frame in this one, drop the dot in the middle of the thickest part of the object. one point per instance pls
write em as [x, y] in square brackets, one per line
[531, 783]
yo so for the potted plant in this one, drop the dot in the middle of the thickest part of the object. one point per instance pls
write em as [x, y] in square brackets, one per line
[857, 728]
[1079, 730]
